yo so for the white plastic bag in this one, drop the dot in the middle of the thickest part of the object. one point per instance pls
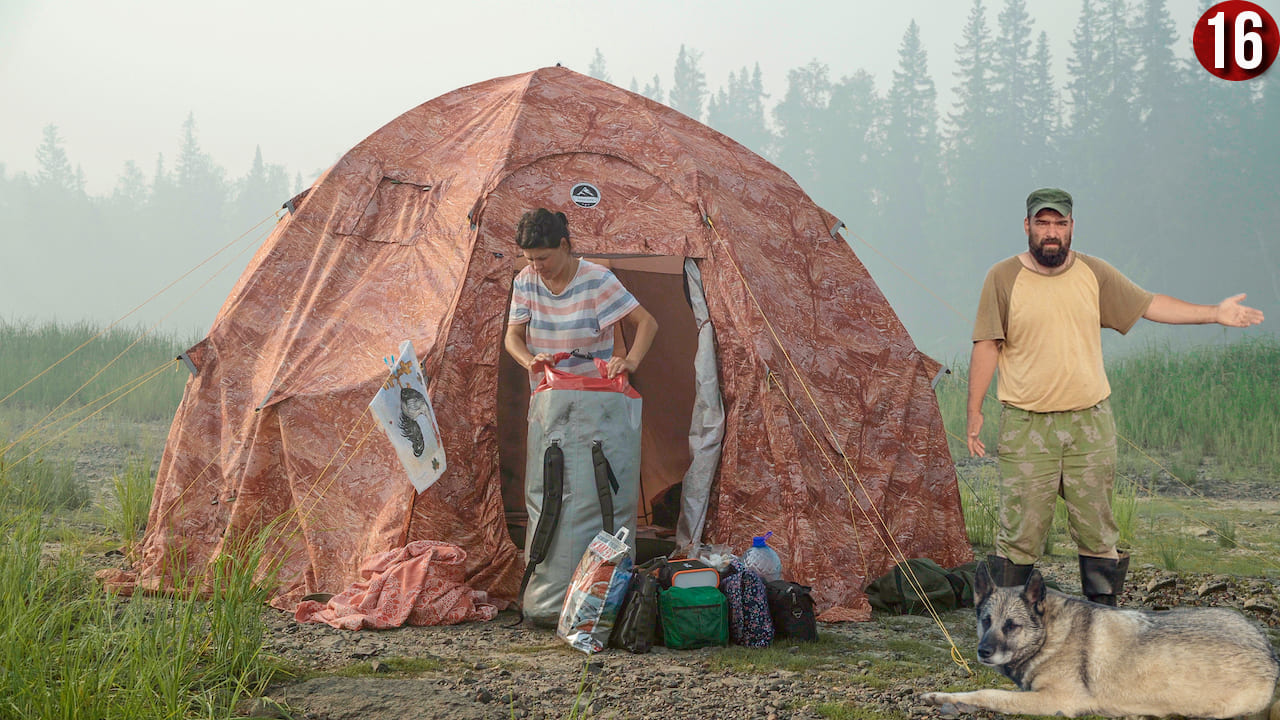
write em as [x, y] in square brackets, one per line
[596, 592]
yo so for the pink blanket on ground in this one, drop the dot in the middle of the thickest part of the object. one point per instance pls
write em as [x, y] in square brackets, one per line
[418, 584]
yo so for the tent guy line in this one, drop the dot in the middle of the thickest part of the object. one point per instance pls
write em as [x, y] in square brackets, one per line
[146, 302]
[41, 425]
[886, 537]
[132, 386]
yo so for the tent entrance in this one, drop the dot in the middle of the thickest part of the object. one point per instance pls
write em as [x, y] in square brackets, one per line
[666, 381]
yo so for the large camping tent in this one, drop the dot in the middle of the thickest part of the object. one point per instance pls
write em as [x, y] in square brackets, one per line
[783, 393]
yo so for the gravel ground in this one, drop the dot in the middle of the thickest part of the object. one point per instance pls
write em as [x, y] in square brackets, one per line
[485, 670]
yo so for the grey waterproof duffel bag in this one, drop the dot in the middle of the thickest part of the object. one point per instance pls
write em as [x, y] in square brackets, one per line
[582, 475]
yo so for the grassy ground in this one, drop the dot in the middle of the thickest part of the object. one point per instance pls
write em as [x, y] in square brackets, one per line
[1176, 408]
[1199, 440]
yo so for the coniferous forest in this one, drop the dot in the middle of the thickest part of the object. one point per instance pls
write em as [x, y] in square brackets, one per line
[1175, 174]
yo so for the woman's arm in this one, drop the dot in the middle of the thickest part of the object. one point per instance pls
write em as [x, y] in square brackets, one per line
[518, 348]
[643, 328]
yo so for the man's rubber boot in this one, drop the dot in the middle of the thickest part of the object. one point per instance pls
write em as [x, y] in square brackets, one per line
[1007, 574]
[1101, 579]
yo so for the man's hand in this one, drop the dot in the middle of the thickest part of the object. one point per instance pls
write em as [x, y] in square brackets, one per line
[972, 431]
[618, 364]
[1232, 314]
[547, 358]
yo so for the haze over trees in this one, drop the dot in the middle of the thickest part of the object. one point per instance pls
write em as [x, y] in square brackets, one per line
[1174, 173]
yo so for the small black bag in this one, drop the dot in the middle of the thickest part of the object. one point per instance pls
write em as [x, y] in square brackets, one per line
[637, 622]
[791, 607]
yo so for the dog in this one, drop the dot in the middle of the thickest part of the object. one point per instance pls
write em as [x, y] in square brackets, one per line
[1073, 657]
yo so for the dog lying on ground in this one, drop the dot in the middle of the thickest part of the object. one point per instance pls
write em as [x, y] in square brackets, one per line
[1073, 657]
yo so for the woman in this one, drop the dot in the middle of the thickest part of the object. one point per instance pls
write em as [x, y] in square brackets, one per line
[562, 303]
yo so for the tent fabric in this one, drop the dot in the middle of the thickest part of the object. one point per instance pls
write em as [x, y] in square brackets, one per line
[706, 430]
[409, 237]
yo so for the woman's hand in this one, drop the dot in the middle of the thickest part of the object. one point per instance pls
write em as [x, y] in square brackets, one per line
[618, 365]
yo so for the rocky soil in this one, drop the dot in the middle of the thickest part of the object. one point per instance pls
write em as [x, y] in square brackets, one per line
[485, 670]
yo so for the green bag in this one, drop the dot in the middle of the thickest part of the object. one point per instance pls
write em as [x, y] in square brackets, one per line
[944, 589]
[694, 617]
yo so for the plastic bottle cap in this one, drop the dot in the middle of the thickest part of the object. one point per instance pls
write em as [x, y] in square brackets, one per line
[759, 541]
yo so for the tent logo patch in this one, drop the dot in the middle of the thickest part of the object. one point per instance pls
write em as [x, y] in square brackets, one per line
[585, 195]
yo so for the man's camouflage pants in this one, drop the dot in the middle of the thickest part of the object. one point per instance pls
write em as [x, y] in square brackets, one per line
[1046, 455]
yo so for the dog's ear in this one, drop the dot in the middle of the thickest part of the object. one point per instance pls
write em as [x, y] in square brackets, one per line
[983, 583]
[1033, 591]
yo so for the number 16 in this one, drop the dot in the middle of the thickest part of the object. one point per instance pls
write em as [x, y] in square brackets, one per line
[1248, 45]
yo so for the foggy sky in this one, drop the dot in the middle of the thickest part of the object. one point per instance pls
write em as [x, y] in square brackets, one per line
[308, 80]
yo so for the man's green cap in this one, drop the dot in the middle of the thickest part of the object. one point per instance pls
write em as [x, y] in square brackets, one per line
[1051, 198]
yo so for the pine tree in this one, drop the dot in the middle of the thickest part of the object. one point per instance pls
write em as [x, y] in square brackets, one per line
[198, 209]
[972, 122]
[1044, 119]
[597, 69]
[912, 133]
[850, 152]
[131, 192]
[973, 140]
[1159, 85]
[1082, 67]
[1103, 127]
[799, 117]
[1011, 58]
[912, 177]
[738, 111]
[1011, 167]
[689, 90]
[1116, 58]
[653, 90]
[1164, 116]
[263, 189]
[54, 171]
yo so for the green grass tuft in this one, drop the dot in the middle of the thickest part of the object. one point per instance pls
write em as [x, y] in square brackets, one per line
[70, 649]
[847, 711]
[132, 488]
[107, 365]
[28, 481]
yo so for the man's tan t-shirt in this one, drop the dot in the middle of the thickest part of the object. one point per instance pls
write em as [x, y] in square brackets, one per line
[1051, 355]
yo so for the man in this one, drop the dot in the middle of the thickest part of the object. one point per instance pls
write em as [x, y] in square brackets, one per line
[1039, 321]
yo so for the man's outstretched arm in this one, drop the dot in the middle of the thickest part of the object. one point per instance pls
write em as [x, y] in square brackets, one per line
[1229, 312]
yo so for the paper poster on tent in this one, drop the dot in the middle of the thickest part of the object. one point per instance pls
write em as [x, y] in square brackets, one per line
[405, 414]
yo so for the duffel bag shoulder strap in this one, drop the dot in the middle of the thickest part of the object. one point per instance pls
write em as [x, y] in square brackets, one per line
[606, 484]
[552, 502]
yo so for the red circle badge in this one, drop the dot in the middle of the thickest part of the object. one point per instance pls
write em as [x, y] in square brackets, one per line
[1236, 40]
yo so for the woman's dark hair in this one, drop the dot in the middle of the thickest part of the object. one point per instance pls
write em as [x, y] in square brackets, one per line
[541, 228]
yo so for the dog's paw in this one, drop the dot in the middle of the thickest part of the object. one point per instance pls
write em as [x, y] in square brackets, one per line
[935, 698]
[949, 704]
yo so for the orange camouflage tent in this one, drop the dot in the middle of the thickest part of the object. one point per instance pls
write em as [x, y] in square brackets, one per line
[782, 394]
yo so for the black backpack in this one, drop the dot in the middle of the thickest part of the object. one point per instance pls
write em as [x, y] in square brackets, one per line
[791, 607]
[637, 622]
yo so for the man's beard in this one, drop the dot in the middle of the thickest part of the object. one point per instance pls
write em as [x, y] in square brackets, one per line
[1051, 259]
